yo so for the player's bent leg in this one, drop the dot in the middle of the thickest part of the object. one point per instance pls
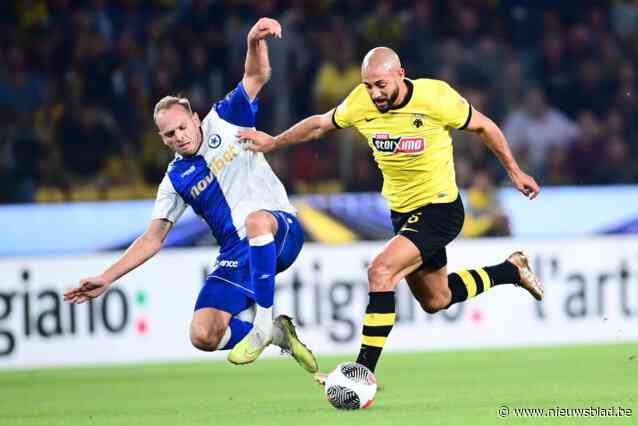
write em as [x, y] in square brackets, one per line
[261, 227]
[433, 288]
[289, 241]
[208, 330]
[398, 258]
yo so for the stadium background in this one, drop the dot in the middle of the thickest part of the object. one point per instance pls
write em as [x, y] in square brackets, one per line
[80, 160]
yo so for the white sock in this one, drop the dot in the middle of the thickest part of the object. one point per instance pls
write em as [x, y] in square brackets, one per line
[224, 339]
[263, 319]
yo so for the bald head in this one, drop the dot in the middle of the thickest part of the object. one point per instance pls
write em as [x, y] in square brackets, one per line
[382, 76]
[380, 60]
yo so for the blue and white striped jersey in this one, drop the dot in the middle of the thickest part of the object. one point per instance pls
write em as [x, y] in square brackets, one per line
[223, 182]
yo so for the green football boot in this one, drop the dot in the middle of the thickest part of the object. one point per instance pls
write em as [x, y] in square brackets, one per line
[250, 347]
[285, 336]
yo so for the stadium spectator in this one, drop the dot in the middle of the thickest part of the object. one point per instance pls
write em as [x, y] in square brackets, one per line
[555, 71]
[303, 62]
[86, 144]
[381, 27]
[617, 165]
[20, 88]
[484, 216]
[625, 18]
[588, 149]
[20, 152]
[420, 40]
[534, 128]
[556, 168]
[591, 92]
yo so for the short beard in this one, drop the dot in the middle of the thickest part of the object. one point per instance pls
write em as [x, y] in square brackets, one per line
[391, 101]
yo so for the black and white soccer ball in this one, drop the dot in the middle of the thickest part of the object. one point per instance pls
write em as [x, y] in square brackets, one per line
[351, 386]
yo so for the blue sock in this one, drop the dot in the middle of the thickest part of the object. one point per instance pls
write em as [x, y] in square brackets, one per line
[238, 329]
[263, 261]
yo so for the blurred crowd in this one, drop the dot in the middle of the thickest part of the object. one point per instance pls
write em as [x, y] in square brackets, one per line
[78, 81]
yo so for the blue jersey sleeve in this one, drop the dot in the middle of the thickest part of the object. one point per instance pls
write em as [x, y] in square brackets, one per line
[236, 107]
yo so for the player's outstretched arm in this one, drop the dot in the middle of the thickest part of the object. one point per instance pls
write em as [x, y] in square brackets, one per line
[494, 138]
[307, 129]
[257, 68]
[142, 249]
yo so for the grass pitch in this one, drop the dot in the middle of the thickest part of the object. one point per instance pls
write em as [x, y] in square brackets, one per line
[442, 388]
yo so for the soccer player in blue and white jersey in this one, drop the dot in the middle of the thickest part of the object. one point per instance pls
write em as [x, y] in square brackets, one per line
[235, 191]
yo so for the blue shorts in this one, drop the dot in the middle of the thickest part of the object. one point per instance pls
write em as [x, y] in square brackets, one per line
[229, 288]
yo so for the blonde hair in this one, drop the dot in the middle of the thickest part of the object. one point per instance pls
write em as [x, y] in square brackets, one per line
[168, 101]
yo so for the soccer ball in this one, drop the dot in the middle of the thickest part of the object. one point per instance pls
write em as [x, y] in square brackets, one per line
[351, 386]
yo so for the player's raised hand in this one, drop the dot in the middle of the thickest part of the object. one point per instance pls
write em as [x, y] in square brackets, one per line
[257, 141]
[264, 28]
[525, 184]
[89, 288]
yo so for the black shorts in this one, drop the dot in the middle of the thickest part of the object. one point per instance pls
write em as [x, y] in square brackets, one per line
[431, 228]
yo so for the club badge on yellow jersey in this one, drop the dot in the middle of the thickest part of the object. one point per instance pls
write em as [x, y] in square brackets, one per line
[417, 120]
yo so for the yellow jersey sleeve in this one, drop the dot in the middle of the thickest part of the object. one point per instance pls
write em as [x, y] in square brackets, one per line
[347, 112]
[452, 109]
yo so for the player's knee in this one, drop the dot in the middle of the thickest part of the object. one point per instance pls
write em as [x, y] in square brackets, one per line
[259, 223]
[431, 307]
[380, 275]
[206, 338]
[436, 303]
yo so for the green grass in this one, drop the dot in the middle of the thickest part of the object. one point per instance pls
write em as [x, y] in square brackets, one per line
[442, 388]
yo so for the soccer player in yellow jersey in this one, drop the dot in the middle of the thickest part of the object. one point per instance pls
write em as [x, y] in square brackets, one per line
[407, 124]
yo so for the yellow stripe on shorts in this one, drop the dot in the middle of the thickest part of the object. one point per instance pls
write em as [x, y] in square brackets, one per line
[377, 341]
[379, 319]
[485, 278]
[469, 282]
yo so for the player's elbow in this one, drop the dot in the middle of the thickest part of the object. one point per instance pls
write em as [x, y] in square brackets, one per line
[266, 74]
[491, 127]
[488, 127]
[318, 131]
[323, 123]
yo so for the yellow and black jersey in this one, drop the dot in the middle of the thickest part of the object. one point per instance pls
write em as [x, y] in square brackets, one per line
[411, 142]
